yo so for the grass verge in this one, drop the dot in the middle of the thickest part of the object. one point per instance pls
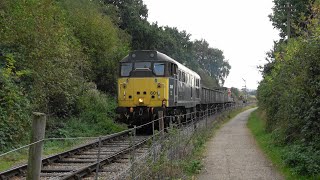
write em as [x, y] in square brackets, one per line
[274, 152]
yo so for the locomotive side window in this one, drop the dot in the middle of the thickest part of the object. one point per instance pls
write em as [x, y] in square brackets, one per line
[142, 65]
[197, 82]
[158, 69]
[172, 69]
[186, 78]
[183, 77]
[126, 68]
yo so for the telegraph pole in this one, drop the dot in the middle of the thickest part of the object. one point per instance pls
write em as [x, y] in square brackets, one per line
[288, 20]
[245, 90]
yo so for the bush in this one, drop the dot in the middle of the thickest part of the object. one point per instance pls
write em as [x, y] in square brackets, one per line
[96, 112]
[303, 160]
[14, 106]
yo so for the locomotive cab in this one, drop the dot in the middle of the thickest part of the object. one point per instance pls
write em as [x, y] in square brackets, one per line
[143, 85]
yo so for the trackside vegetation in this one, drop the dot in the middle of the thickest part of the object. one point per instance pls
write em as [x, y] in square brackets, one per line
[60, 57]
[289, 91]
[278, 154]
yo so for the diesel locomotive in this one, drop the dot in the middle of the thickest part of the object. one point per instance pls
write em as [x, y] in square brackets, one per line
[150, 81]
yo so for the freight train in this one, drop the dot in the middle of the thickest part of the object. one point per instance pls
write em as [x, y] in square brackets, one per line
[150, 81]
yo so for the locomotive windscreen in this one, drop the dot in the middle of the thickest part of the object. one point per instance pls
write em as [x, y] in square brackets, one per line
[126, 68]
[142, 68]
[158, 69]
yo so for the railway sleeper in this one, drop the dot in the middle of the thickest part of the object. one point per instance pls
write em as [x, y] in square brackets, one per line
[122, 160]
[56, 170]
[76, 161]
[53, 174]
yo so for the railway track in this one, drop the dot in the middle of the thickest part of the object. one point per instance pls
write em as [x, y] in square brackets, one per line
[82, 162]
[111, 159]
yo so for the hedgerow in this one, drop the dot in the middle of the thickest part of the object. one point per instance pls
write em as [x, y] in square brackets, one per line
[290, 95]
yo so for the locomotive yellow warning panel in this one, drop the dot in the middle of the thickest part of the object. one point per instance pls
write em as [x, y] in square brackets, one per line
[144, 91]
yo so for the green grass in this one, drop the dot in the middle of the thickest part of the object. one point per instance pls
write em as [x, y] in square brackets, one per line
[12, 159]
[256, 124]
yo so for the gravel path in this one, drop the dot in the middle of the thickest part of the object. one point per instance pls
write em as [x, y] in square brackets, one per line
[234, 154]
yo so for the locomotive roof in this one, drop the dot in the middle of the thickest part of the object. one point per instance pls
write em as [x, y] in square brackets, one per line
[150, 55]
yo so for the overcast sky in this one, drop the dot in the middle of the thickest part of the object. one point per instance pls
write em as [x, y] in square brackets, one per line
[241, 29]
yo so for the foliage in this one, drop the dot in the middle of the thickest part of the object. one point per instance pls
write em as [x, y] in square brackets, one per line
[303, 160]
[294, 161]
[289, 94]
[37, 34]
[211, 60]
[297, 9]
[100, 40]
[61, 45]
[14, 105]
[96, 114]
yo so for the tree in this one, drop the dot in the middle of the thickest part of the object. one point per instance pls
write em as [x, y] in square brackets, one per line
[298, 10]
[100, 40]
[36, 33]
[211, 60]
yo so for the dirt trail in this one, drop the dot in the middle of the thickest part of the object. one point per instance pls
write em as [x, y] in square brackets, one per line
[234, 154]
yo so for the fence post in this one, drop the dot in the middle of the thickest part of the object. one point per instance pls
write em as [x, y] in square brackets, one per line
[132, 144]
[153, 142]
[35, 150]
[206, 118]
[161, 122]
[153, 129]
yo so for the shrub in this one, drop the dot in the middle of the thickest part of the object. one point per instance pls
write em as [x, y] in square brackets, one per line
[99, 109]
[14, 106]
[303, 160]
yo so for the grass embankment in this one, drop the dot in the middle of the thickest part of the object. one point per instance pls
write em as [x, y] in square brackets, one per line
[192, 165]
[265, 140]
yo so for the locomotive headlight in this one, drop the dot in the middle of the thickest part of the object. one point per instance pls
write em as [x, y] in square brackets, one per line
[140, 100]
